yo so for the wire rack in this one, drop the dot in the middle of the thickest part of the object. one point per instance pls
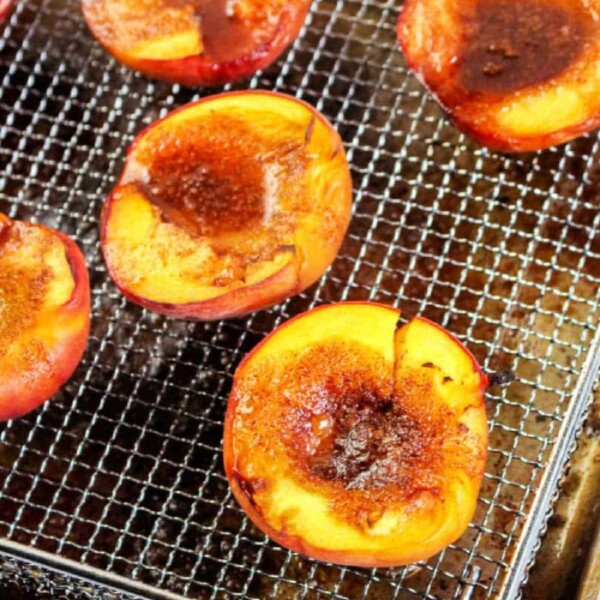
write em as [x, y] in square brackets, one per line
[119, 479]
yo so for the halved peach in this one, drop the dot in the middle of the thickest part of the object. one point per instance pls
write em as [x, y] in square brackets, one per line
[44, 314]
[5, 7]
[195, 42]
[227, 205]
[353, 440]
[514, 76]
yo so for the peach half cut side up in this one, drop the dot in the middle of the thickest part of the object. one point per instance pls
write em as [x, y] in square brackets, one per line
[515, 76]
[195, 42]
[44, 314]
[226, 206]
[353, 440]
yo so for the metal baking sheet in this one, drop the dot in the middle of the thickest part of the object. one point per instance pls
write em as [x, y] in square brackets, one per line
[119, 479]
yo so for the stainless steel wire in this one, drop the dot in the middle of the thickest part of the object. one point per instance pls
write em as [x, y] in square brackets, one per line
[120, 476]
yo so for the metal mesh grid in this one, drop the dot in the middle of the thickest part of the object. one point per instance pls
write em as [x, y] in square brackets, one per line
[122, 471]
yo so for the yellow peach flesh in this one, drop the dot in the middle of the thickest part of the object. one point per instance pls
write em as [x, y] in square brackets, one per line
[169, 47]
[37, 281]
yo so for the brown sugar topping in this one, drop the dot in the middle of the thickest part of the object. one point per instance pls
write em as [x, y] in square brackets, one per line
[371, 438]
[510, 45]
[344, 424]
[22, 287]
[232, 28]
[218, 177]
[334, 418]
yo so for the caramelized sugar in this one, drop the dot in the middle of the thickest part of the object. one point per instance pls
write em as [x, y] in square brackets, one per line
[228, 30]
[210, 188]
[370, 437]
[344, 424]
[22, 286]
[224, 37]
[232, 28]
[510, 45]
[218, 178]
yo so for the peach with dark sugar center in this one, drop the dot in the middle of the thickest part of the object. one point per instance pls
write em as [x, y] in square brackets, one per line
[227, 205]
[195, 42]
[44, 314]
[352, 440]
[514, 76]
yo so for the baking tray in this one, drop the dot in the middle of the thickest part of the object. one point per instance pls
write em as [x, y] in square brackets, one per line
[119, 480]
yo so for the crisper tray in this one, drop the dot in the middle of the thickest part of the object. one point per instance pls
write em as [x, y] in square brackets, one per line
[119, 480]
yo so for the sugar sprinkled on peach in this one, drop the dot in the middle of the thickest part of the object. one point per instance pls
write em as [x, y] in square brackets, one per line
[44, 314]
[227, 205]
[195, 42]
[353, 440]
[515, 77]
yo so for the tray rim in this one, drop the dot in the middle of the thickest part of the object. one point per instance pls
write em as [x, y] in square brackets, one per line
[101, 581]
[542, 507]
